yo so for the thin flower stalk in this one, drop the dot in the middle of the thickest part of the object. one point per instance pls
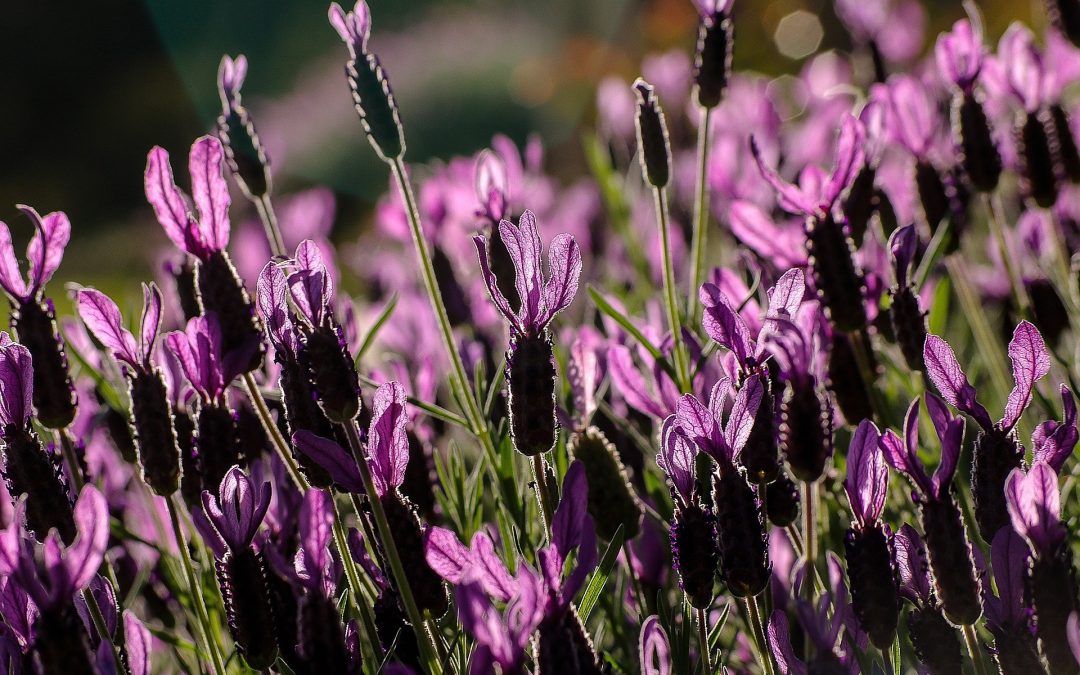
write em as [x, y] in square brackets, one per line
[699, 237]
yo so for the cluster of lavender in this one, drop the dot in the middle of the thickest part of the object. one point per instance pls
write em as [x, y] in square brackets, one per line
[252, 482]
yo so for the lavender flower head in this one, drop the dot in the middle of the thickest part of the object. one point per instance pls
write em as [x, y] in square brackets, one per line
[238, 510]
[102, 317]
[959, 55]
[654, 648]
[244, 151]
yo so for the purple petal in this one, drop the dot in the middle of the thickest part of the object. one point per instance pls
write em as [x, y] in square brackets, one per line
[629, 382]
[787, 295]
[353, 27]
[210, 191]
[583, 374]
[867, 480]
[1009, 555]
[231, 74]
[950, 380]
[10, 276]
[1072, 631]
[501, 303]
[1030, 363]
[1034, 504]
[168, 203]
[83, 558]
[1053, 442]
[849, 160]
[902, 246]
[911, 562]
[316, 527]
[492, 185]
[46, 248]
[901, 454]
[744, 410]
[952, 443]
[569, 522]
[676, 458]
[138, 645]
[698, 423]
[311, 286]
[791, 198]
[446, 555]
[654, 648]
[723, 324]
[150, 323]
[959, 55]
[913, 118]
[564, 259]
[102, 318]
[489, 569]
[271, 300]
[337, 461]
[523, 243]
[388, 445]
[779, 639]
[754, 228]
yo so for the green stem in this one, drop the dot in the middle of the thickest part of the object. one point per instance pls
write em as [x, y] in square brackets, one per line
[280, 444]
[670, 302]
[701, 210]
[194, 589]
[67, 448]
[99, 623]
[352, 577]
[972, 641]
[270, 225]
[809, 539]
[759, 634]
[397, 569]
[703, 641]
[543, 494]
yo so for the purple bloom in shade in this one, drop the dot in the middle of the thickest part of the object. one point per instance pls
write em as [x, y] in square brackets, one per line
[902, 455]
[1019, 68]
[18, 611]
[540, 300]
[199, 351]
[45, 251]
[388, 444]
[1007, 611]
[137, 643]
[676, 459]
[912, 566]
[311, 286]
[492, 186]
[902, 247]
[572, 530]
[271, 301]
[479, 562]
[354, 27]
[959, 55]
[1053, 442]
[238, 510]
[209, 232]
[912, 117]
[314, 564]
[779, 639]
[816, 193]
[654, 648]
[502, 639]
[16, 384]
[1034, 503]
[336, 460]
[867, 481]
[50, 572]
[102, 318]
[702, 425]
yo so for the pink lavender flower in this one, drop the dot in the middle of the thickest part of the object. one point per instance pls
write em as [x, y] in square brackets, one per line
[654, 648]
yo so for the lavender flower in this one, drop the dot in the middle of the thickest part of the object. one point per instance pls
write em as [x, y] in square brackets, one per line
[530, 364]
[1007, 614]
[151, 413]
[1035, 509]
[997, 450]
[654, 648]
[33, 317]
[502, 638]
[950, 558]
[1053, 442]
[205, 237]
[243, 150]
[715, 45]
[933, 637]
[906, 315]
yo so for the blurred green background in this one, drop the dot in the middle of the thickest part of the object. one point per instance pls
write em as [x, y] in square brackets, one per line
[90, 87]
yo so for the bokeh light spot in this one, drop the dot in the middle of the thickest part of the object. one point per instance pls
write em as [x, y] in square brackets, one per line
[798, 34]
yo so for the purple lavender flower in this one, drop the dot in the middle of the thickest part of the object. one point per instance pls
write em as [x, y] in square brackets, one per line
[33, 317]
[1034, 503]
[502, 638]
[530, 364]
[892, 30]
[235, 516]
[1007, 614]
[936, 643]
[243, 150]
[950, 552]
[997, 449]
[1053, 442]
[654, 648]
[715, 45]
[905, 313]
[205, 238]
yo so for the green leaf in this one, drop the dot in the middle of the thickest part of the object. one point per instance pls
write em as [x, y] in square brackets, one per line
[600, 576]
[430, 409]
[373, 332]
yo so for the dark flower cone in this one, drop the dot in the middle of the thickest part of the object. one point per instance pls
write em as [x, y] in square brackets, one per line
[333, 373]
[652, 136]
[221, 291]
[838, 281]
[285, 608]
[246, 597]
[1037, 149]
[376, 106]
[394, 630]
[845, 380]
[427, 586]
[875, 584]
[971, 134]
[933, 203]
[530, 382]
[29, 469]
[118, 426]
[694, 554]
[34, 325]
[712, 59]
[935, 641]
[951, 562]
[1052, 586]
[321, 637]
[244, 152]
[254, 443]
[454, 296]
[187, 292]
[761, 454]
[612, 501]
[216, 445]
[152, 428]
[861, 203]
[563, 647]
[1016, 653]
[191, 480]
[421, 479]
[909, 326]
[805, 430]
[61, 644]
[741, 535]
[1068, 154]
[782, 501]
[996, 455]
[302, 412]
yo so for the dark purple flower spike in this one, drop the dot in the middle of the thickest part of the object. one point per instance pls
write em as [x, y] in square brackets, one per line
[997, 449]
[151, 420]
[906, 315]
[1053, 442]
[654, 648]
[1007, 614]
[950, 552]
[33, 317]
[1034, 502]
[205, 237]
[936, 643]
[715, 47]
[235, 515]
[244, 151]
[28, 468]
[868, 545]
[530, 363]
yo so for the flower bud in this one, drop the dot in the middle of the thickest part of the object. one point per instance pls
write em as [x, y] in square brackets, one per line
[936, 645]
[909, 325]
[285, 610]
[806, 427]
[875, 584]
[712, 59]
[653, 147]
[34, 325]
[61, 643]
[1068, 154]
[376, 106]
[761, 454]
[694, 553]
[971, 133]
[321, 636]
[152, 427]
[191, 483]
[302, 412]
[861, 203]
[612, 502]
[216, 445]
[242, 580]
[933, 203]
[29, 469]
[782, 501]
[950, 559]
[222, 292]
[119, 429]
[1036, 150]
[995, 455]
[187, 293]
[741, 538]
[332, 372]
[838, 281]
[530, 382]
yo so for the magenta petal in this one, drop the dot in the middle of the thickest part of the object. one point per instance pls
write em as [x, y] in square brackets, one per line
[902, 245]
[787, 295]
[744, 410]
[271, 300]
[1053, 442]
[501, 303]
[150, 323]
[911, 563]
[959, 55]
[46, 248]
[848, 162]
[1009, 555]
[333, 458]
[569, 522]
[523, 243]
[353, 27]
[1034, 504]
[83, 558]
[564, 259]
[488, 569]
[231, 74]
[952, 443]
[138, 645]
[867, 480]
[492, 185]
[168, 203]
[1030, 363]
[316, 527]
[388, 446]
[949, 378]
[10, 276]
[900, 454]
[654, 648]
[723, 324]
[779, 639]
[445, 554]
[791, 198]
[1072, 631]
[210, 191]
[698, 423]
[676, 458]
[102, 318]
[629, 382]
